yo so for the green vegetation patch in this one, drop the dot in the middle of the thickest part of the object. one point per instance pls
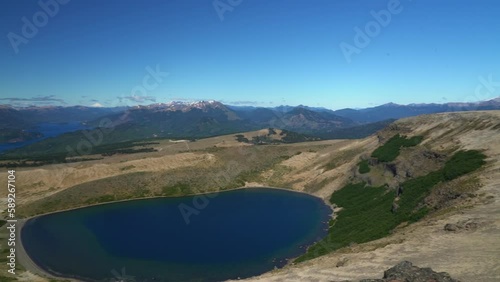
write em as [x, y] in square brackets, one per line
[101, 199]
[37, 155]
[241, 138]
[9, 134]
[294, 137]
[463, 162]
[363, 167]
[178, 189]
[390, 150]
[368, 214]
[7, 279]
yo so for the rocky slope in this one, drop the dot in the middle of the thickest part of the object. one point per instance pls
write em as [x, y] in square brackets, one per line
[460, 238]
[406, 271]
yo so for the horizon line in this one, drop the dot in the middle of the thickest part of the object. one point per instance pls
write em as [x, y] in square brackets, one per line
[194, 101]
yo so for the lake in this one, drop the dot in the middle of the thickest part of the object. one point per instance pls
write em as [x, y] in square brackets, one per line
[239, 233]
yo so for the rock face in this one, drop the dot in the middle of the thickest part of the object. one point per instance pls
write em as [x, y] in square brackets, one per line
[406, 272]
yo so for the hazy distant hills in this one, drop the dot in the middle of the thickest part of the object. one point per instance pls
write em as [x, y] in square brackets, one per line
[18, 125]
[390, 110]
[395, 111]
[177, 120]
[10, 118]
[27, 117]
[211, 118]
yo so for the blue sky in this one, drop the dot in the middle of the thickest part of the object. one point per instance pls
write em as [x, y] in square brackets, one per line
[249, 52]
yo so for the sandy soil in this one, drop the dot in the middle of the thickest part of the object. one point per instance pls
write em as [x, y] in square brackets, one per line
[42, 182]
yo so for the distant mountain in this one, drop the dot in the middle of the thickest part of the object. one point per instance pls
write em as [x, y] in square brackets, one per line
[304, 120]
[300, 119]
[22, 124]
[282, 108]
[200, 119]
[395, 111]
[30, 116]
[191, 121]
[65, 114]
[210, 118]
[287, 116]
[11, 118]
[387, 111]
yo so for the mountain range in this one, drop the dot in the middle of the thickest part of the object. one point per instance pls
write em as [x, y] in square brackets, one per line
[211, 118]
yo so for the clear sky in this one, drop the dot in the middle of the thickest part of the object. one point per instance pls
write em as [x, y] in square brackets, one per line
[249, 52]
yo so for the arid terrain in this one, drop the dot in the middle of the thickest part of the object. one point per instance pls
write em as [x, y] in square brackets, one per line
[468, 249]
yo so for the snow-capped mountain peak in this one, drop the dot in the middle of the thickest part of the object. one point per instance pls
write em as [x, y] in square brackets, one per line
[184, 106]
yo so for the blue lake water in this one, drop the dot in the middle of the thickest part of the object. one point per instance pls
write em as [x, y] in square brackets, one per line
[48, 130]
[239, 233]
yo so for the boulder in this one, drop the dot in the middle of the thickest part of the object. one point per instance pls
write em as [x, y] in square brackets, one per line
[406, 272]
[464, 225]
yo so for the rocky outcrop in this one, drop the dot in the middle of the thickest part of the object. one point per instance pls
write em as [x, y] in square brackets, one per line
[411, 163]
[464, 225]
[406, 272]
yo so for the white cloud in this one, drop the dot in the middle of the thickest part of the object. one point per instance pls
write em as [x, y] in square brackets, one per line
[139, 98]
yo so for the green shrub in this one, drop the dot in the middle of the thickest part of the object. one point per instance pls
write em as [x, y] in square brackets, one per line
[241, 138]
[363, 167]
[463, 162]
[390, 150]
[367, 215]
[178, 188]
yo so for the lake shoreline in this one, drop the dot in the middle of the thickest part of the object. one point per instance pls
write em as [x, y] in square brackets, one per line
[25, 260]
[326, 202]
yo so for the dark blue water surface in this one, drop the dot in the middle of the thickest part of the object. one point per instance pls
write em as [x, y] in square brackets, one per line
[48, 130]
[233, 234]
